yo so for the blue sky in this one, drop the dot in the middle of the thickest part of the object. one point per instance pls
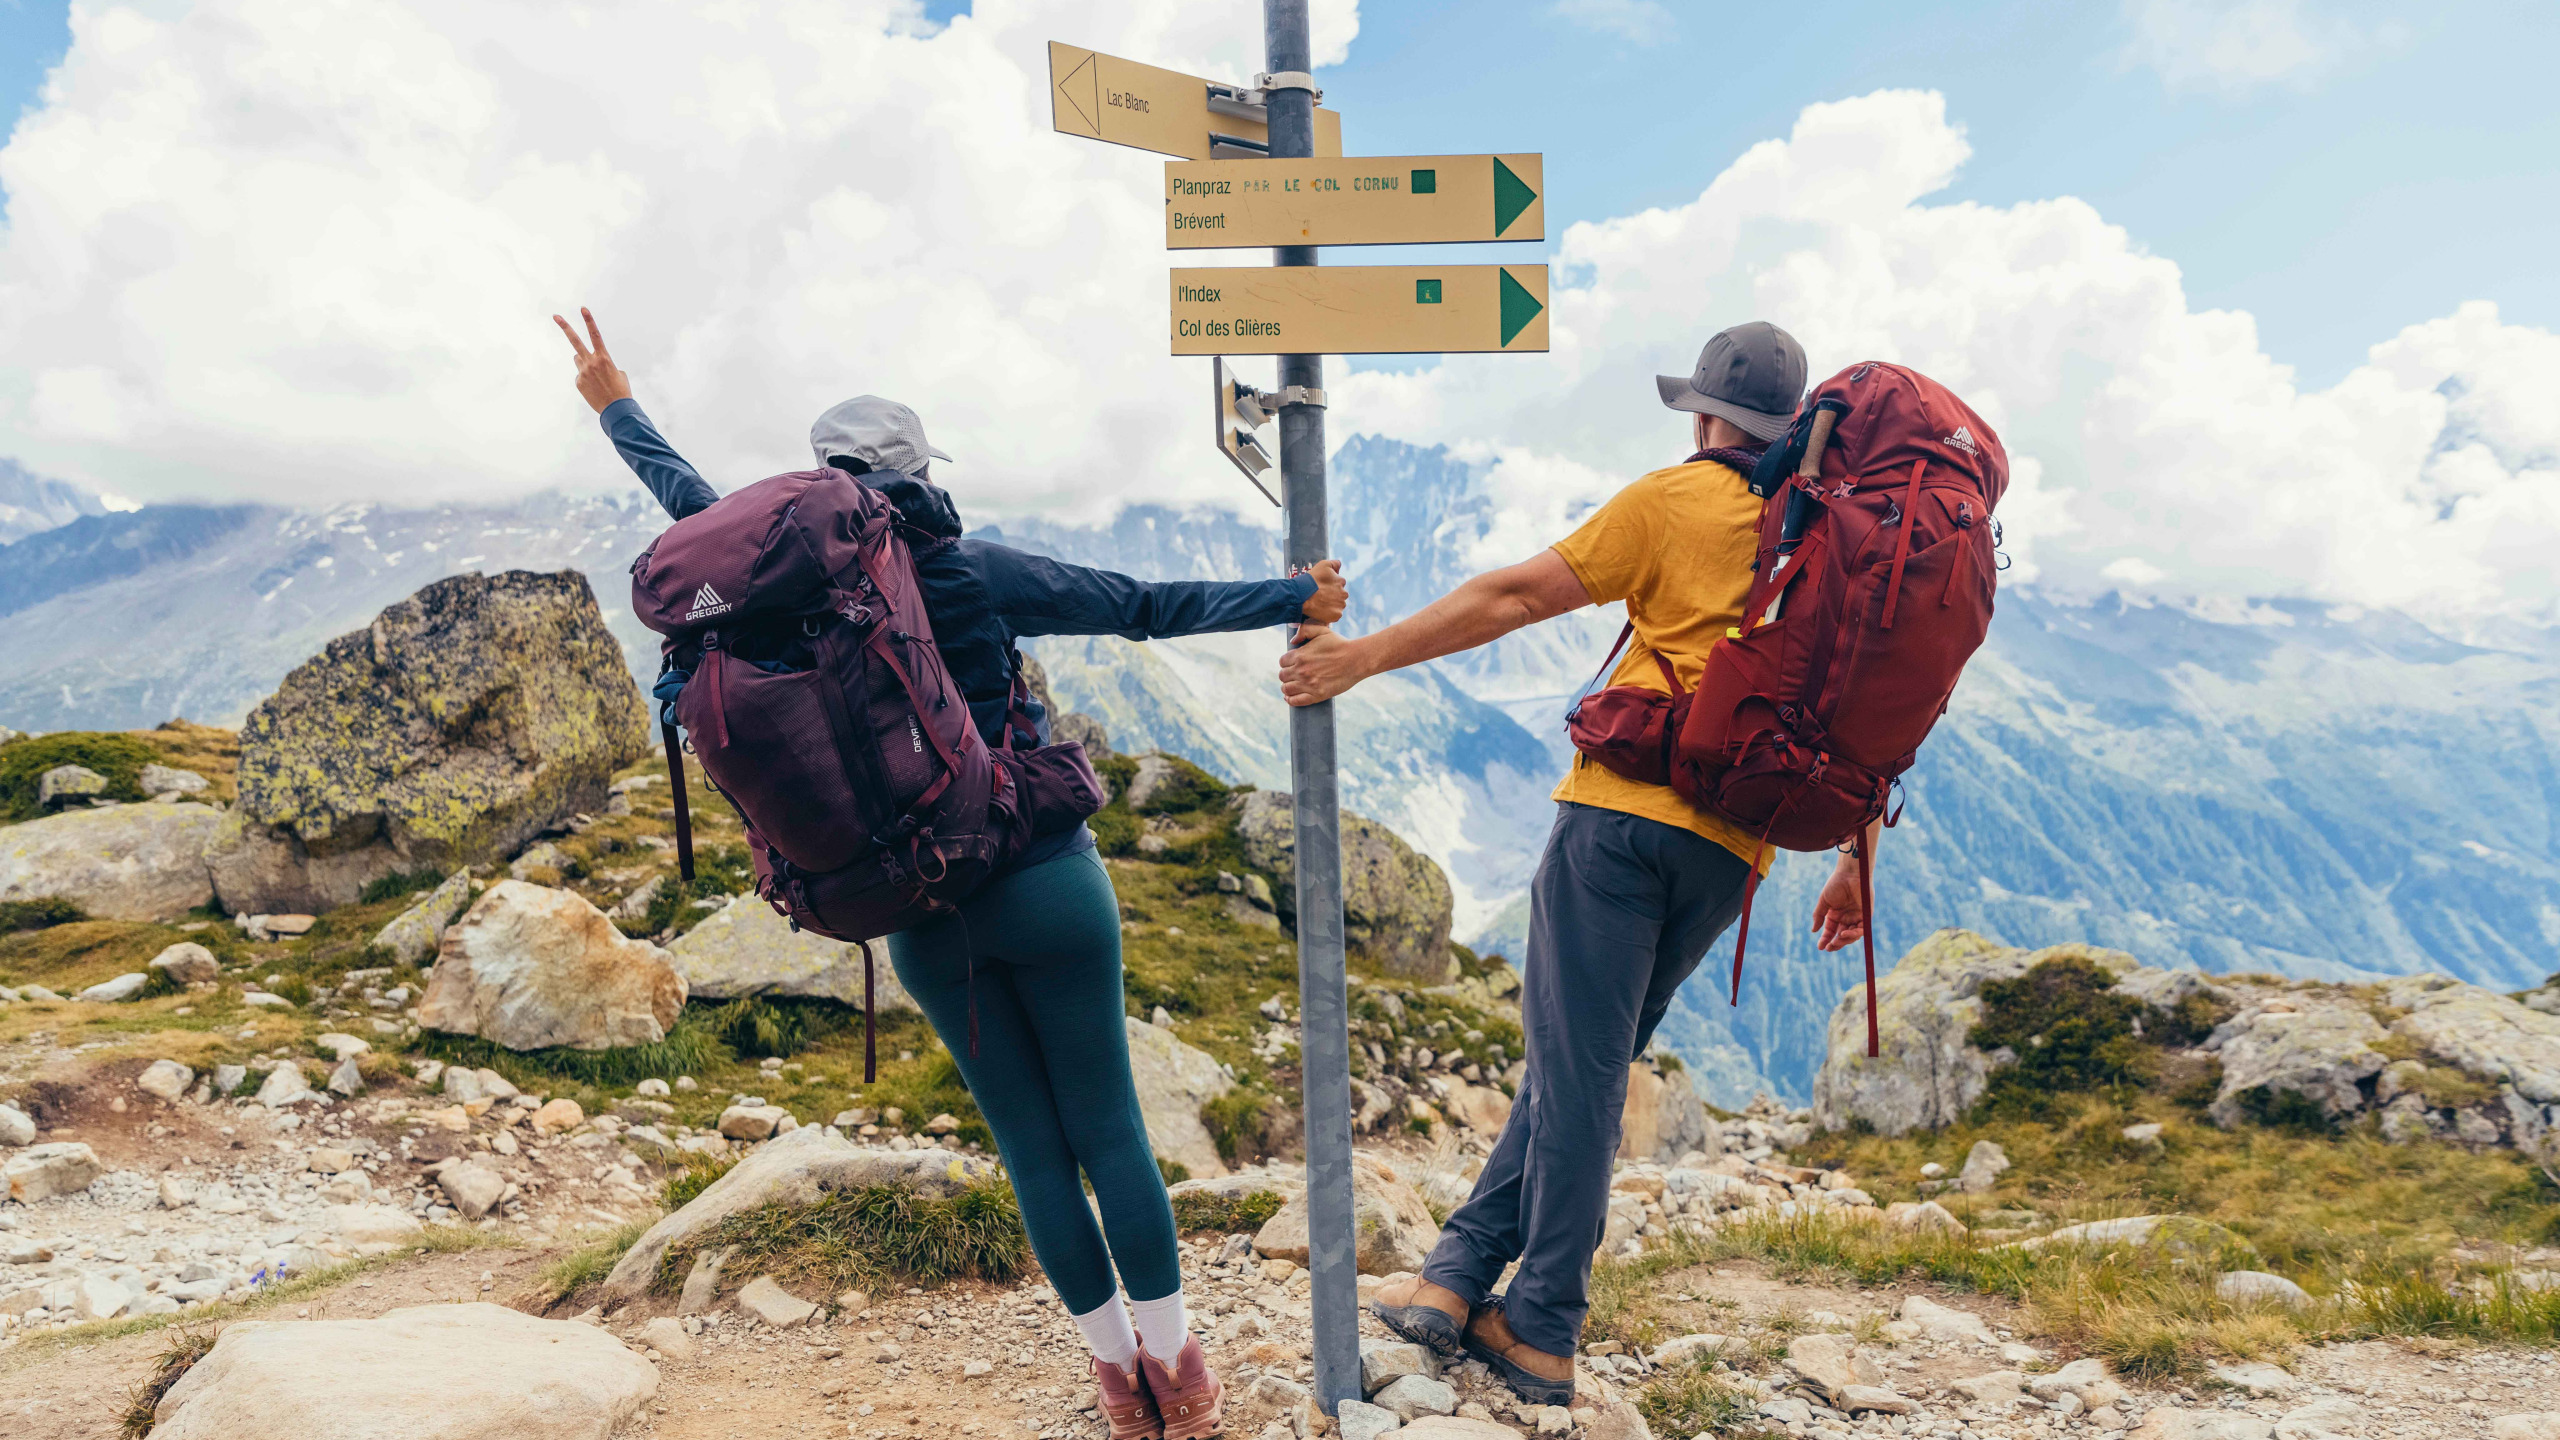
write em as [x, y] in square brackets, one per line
[2418, 168]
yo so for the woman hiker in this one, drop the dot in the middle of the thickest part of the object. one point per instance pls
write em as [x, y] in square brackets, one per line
[1051, 1068]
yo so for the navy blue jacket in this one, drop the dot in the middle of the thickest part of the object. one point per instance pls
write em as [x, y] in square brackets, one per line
[982, 596]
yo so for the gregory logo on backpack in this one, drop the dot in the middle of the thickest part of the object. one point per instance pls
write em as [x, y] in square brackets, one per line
[707, 603]
[1963, 440]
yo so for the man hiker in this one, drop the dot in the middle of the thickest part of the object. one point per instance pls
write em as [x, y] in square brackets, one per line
[1635, 883]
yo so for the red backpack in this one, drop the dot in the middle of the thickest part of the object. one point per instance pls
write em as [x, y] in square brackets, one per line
[1873, 586]
[801, 662]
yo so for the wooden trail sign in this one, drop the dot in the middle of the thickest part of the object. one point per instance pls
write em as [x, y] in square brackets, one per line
[1385, 200]
[1359, 309]
[1103, 97]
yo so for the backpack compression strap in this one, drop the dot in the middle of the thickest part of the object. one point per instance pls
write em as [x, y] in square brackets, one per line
[684, 814]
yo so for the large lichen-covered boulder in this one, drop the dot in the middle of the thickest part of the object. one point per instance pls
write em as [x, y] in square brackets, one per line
[464, 721]
[797, 1169]
[1928, 1071]
[1396, 903]
[748, 949]
[1391, 1224]
[534, 968]
[124, 862]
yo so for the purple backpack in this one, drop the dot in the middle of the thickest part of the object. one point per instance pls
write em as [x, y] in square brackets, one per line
[817, 702]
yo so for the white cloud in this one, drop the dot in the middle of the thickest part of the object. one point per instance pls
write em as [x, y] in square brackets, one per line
[307, 249]
[2235, 45]
[1643, 21]
[2156, 447]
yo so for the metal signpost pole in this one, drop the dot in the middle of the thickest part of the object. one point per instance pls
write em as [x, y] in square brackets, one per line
[1324, 1036]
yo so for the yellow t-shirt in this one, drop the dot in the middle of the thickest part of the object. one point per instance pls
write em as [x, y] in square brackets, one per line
[1677, 547]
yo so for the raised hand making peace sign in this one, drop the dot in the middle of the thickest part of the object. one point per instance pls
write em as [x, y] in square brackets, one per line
[600, 381]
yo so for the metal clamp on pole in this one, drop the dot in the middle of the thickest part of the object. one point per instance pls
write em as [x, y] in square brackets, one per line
[1287, 80]
[1296, 395]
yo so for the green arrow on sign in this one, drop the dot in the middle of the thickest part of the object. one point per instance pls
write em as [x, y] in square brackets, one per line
[1511, 195]
[1519, 307]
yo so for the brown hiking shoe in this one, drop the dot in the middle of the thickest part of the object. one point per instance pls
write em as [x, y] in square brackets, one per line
[1188, 1393]
[1533, 1375]
[1127, 1406]
[1423, 1313]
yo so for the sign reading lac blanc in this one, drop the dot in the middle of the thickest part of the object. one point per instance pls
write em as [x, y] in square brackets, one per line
[1103, 97]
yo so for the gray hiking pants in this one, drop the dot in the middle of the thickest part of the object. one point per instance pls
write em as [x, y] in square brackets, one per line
[1621, 912]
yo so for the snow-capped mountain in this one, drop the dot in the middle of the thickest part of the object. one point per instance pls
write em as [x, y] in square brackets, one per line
[2286, 787]
[31, 503]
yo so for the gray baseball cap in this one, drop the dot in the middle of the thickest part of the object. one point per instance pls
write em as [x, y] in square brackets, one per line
[1752, 375]
[882, 434]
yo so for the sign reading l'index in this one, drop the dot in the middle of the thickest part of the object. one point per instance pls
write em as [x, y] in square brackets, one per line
[1360, 309]
[1385, 200]
[1103, 97]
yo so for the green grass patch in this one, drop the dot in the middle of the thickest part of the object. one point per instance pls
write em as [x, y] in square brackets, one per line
[587, 1264]
[393, 887]
[719, 871]
[1232, 1214]
[693, 1046]
[1693, 1398]
[692, 1174]
[119, 758]
[142, 1402]
[870, 1236]
[44, 914]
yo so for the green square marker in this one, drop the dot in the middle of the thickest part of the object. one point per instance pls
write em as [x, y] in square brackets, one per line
[1426, 182]
[1426, 292]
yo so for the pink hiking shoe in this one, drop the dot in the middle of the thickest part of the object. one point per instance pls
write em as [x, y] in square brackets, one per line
[1126, 1406]
[1188, 1394]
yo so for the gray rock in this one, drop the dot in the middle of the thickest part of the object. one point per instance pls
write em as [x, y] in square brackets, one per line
[165, 1080]
[543, 856]
[187, 963]
[1945, 1322]
[752, 1122]
[1360, 1420]
[2256, 1287]
[2482, 1032]
[429, 1372]
[413, 934]
[65, 783]
[1174, 1081]
[1391, 1225]
[1831, 1364]
[1927, 1073]
[748, 949]
[797, 1169]
[229, 1078]
[1154, 773]
[15, 1127]
[1396, 902]
[702, 1282]
[2319, 1045]
[667, 1336]
[2329, 1416]
[1410, 1397]
[772, 1304]
[417, 742]
[2256, 1377]
[1382, 1362]
[347, 1079]
[1618, 1420]
[284, 1085]
[97, 1297]
[40, 1172]
[159, 780]
[1982, 1168]
[534, 968]
[1663, 1118]
[473, 1188]
[121, 988]
[125, 862]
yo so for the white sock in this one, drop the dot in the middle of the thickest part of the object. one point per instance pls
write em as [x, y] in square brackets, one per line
[1107, 1333]
[1162, 1325]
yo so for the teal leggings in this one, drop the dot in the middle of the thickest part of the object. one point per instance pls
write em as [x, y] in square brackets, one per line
[1052, 1069]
